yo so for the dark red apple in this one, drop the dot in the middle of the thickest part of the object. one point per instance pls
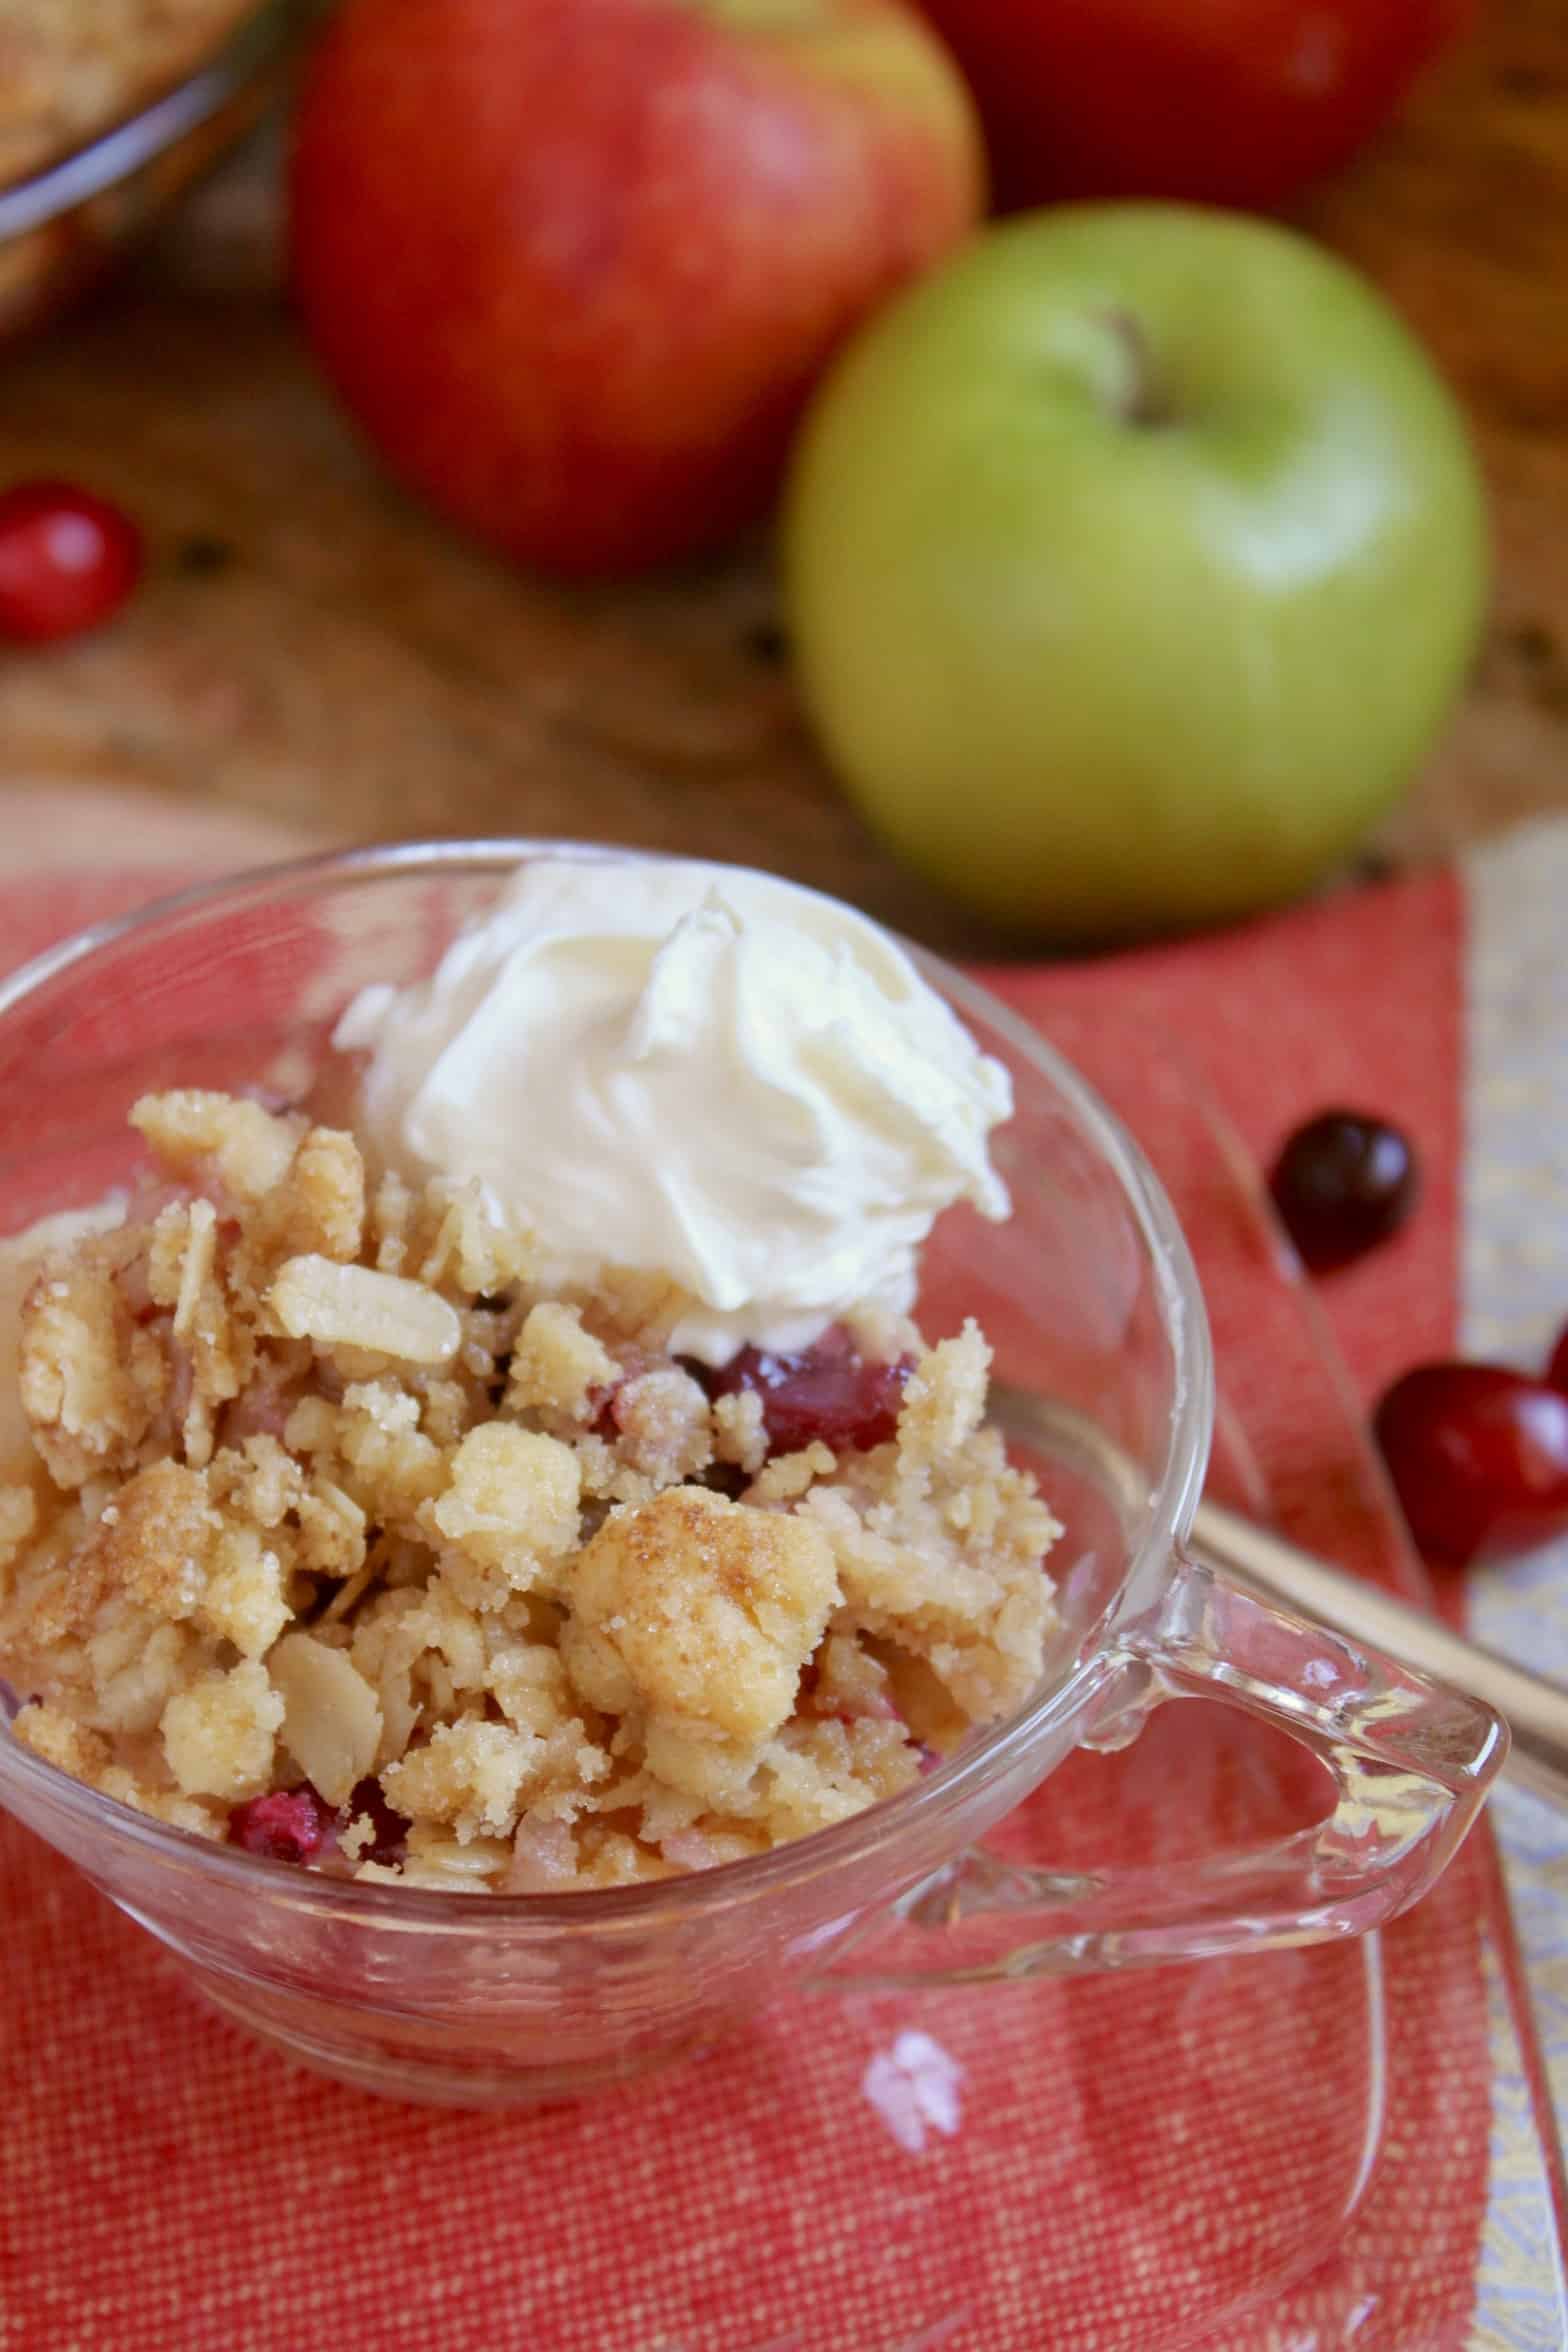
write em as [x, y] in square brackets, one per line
[575, 264]
[1215, 101]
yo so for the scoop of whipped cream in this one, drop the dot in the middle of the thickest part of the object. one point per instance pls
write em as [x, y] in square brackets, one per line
[694, 1071]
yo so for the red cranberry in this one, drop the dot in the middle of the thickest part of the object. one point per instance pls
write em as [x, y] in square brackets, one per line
[1479, 1457]
[606, 1402]
[1557, 1369]
[1343, 1183]
[67, 561]
[829, 1391]
[389, 1828]
[291, 1825]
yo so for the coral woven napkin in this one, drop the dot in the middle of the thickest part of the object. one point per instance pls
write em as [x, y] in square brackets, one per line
[164, 2187]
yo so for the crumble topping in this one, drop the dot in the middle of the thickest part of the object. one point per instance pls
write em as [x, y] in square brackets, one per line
[347, 1534]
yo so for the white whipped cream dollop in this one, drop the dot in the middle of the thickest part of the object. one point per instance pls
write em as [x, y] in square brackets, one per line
[693, 1071]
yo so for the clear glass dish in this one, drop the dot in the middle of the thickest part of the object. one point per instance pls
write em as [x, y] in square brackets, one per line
[1141, 2161]
[63, 227]
[1089, 1296]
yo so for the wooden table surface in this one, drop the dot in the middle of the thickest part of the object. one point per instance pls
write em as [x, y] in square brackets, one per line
[312, 649]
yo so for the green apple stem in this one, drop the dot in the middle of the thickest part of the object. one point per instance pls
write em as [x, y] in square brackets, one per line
[1145, 398]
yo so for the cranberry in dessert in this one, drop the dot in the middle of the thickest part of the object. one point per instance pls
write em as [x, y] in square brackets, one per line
[830, 1392]
[289, 1825]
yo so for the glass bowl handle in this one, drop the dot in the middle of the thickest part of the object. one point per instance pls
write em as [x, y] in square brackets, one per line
[1534, 1706]
[1411, 1762]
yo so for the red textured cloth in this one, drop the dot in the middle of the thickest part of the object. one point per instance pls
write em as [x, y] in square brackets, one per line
[1137, 2159]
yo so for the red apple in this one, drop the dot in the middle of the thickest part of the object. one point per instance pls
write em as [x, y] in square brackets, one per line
[1216, 101]
[576, 264]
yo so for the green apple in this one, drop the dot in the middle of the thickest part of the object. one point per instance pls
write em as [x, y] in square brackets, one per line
[1132, 561]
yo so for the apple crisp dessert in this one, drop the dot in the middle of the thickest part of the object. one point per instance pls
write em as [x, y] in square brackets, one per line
[332, 1523]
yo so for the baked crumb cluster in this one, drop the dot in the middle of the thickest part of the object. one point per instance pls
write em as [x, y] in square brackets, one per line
[347, 1536]
[70, 68]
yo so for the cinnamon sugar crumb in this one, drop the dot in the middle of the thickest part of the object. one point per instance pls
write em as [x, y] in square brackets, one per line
[556, 1365]
[695, 1616]
[198, 1134]
[91, 1380]
[219, 1734]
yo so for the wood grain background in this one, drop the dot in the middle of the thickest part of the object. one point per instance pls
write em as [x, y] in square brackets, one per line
[314, 651]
